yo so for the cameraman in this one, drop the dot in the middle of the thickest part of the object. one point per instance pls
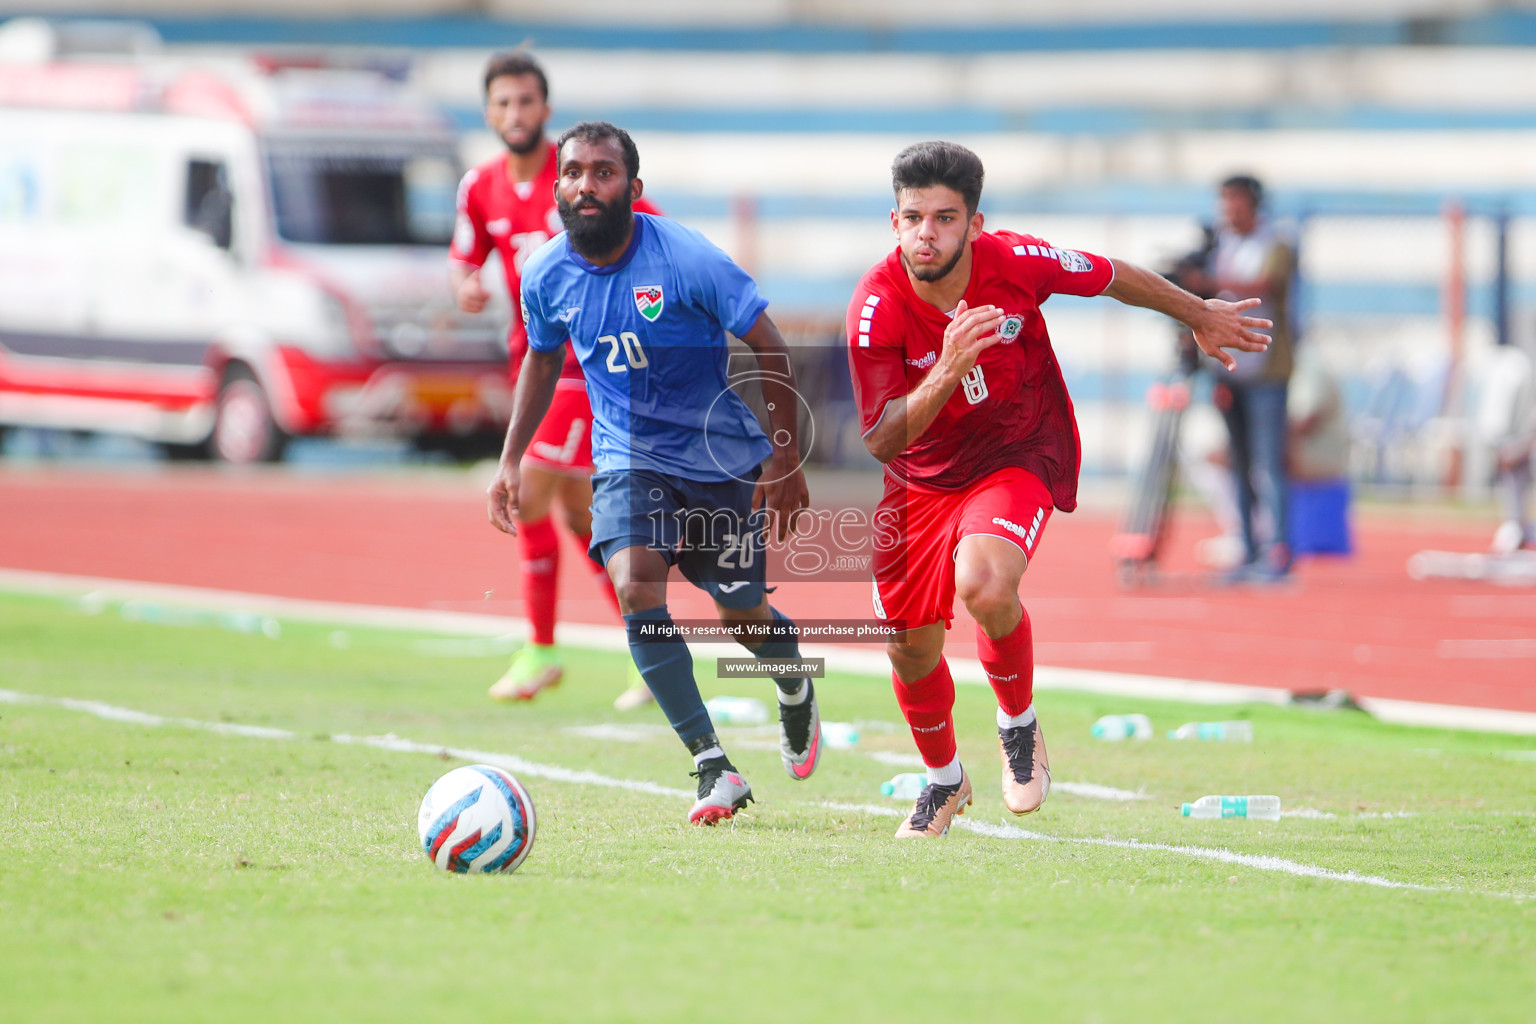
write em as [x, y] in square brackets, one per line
[1252, 258]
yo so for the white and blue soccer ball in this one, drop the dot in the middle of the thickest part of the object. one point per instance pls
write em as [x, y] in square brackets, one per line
[477, 820]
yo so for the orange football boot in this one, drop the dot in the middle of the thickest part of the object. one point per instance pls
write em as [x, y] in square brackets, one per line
[1026, 769]
[936, 805]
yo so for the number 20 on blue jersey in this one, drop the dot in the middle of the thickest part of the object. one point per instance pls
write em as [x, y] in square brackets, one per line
[634, 354]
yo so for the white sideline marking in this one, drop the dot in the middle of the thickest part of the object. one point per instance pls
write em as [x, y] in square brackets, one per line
[1313, 812]
[895, 758]
[554, 773]
[513, 764]
[387, 742]
[639, 733]
[841, 659]
[1259, 862]
[1448, 716]
[1094, 791]
[635, 732]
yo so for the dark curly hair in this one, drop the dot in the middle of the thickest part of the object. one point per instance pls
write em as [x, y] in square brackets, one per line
[939, 163]
[596, 131]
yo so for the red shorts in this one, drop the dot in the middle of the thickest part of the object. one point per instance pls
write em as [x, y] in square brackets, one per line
[563, 442]
[915, 577]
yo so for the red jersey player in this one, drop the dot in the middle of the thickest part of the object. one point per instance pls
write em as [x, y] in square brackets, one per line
[961, 397]
[507, 205]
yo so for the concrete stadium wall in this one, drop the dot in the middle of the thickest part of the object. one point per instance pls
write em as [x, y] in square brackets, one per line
[919, 12]
[1280, 89]
[772, 12]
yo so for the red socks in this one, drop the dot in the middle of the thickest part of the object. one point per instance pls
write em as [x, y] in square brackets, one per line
[541, 570]
[1009, 662]
[541, 573]
[599, 574]
[928, 705]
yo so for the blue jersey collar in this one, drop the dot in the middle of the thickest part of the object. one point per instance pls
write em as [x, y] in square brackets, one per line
[619, 264]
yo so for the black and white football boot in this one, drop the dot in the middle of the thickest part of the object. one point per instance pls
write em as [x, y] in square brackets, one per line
[722, 791]
[800, 735]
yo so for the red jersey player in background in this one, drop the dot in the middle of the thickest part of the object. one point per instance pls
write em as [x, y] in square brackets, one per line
[961, 397]
[507, 205]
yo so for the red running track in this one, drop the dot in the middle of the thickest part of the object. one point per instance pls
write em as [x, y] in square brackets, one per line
[421, 540]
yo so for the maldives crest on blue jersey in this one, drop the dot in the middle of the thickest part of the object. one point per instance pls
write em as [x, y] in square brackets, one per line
[649, 300]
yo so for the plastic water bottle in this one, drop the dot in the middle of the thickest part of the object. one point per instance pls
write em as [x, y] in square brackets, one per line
[1232, 732]
[1264, 808]
[1122, 727]
[736, 711]
[839, 735]
[906, 786]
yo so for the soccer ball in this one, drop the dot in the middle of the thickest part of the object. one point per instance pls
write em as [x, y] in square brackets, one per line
[477, 820]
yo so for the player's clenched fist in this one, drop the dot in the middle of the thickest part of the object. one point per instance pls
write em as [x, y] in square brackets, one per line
[471, 294]
[972, 331]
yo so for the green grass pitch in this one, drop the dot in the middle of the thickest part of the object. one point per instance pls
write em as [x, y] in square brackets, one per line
[153, 872]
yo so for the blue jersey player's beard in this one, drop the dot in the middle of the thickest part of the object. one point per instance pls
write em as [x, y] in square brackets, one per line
[600, 235]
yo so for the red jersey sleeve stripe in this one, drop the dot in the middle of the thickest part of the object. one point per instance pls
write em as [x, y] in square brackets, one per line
[866, 317]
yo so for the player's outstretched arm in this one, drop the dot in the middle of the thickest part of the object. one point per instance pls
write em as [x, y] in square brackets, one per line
[535, 390]
[970, 332]
[782, 487]
[1216, 324]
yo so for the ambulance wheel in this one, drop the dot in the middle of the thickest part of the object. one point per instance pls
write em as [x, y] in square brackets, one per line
[244, 431]
[174, 452]
[473, 447]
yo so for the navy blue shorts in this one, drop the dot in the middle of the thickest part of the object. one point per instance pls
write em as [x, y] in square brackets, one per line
[707, 529]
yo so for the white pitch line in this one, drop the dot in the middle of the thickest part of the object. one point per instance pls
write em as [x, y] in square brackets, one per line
[850, 660]
[639, 733]
[631, 732]
[895, 758]
[510, 762]
[1260, 862]
[555, 773]
[1094, 791]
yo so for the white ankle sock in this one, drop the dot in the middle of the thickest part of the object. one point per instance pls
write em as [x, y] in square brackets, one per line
[705, 755]
[949, 775]
[800, 696]
[1007, 721]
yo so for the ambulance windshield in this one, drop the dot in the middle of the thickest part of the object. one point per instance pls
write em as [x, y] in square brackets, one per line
[331, 192]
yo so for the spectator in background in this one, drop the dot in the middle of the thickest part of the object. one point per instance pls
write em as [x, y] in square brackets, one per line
[1506, 418]
[1319, 431]
[1251, 258]
[1317, 458]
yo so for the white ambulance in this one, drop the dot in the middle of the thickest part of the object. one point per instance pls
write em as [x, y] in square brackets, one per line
[220, 255]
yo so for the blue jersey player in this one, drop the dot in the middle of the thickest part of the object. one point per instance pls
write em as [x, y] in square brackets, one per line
[685, 474]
